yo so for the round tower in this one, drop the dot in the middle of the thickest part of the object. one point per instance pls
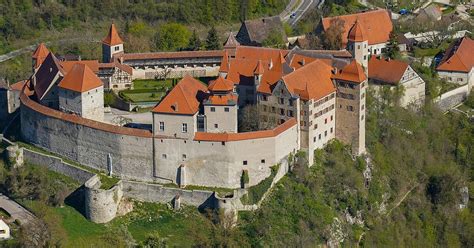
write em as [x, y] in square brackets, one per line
[358, 44]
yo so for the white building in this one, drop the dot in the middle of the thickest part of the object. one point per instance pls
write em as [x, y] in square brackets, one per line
[81, 92]
[4, 230]
[395, 73]
[458, 63]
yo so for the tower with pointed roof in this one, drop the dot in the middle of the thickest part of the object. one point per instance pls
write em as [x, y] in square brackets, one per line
[358, 44]
[351, 83]
[220, 108]
[112, 44]
[81, 92]
[39, 56]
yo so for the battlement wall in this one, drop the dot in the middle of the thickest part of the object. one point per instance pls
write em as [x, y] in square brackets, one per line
[136, 155]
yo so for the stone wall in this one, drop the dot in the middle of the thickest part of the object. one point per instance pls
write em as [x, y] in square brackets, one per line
[137, 156]
[57, 165]
[101, 204]
[157, 193]
[452, 98]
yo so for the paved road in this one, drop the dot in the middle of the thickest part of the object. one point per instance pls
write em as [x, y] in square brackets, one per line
[300, 11]
[16, 211]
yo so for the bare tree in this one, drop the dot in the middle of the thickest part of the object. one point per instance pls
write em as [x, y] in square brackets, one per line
[333, 36]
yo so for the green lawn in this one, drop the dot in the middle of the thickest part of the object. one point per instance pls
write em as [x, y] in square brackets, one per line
[152, 84]
[152, 96]
[146, 219]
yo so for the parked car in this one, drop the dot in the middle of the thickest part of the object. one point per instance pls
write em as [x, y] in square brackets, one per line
[293, 15]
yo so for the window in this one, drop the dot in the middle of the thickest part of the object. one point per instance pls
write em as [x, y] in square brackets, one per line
[184, 128]
[184, 156]
[319, 136]
[245, 162]
[281, 100]
[350, 108]
[226, 109]
[290, 102]
[325, 120]
[290, 113]
[273, 110]
[315, 126]
[117, 48]
[163, 156]
[459, 79]
[264, 108]
[264, 98]
[331, 118]
[363, 95]
[262, 161]
[314, 139]
[363, 106]
[358, 46]
[162, 126]
[216, 125]
[282, 111]
[331, 130]
[362, 118]
[325, 133]
[213, 109]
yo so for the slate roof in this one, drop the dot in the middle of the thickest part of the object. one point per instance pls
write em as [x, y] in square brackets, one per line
[44, 76]
[259, 29]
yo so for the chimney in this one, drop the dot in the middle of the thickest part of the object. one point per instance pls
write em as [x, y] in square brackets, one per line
[271, 64]
[302, 62]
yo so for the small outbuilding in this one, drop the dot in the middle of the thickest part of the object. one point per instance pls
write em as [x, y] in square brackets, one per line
[4, 230]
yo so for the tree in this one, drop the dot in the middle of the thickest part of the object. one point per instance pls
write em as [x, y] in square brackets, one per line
[171, 37]
[333, 36]
[212, 40]
[194, 42]
[274, 39]
[392, 47]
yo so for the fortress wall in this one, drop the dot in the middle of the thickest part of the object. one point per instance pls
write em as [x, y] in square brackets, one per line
[57, 165]
[88, 142]
[212, 163]
[220, 163]
[157, 193]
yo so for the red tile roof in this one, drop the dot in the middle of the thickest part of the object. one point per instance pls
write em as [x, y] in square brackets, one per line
[259, 53]
[459, 56]
[56, 114]
[113, 38]
[80, 79]
[226, 137]
[259, 68]
[117, 64]
[172, 55]
[357, 33]
[377, 25]
[92, 64]
[184, 98]
[384, 70]
[40, 54]
[18, 86]
[224, 63]
[312, 81]
[228, 99]
[353, 72]
[221, 84]
[299, 61]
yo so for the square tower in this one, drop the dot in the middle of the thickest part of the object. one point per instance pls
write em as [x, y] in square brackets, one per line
[111, 45]
[351, 85]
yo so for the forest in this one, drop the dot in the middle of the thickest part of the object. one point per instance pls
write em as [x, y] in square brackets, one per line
[26, 19]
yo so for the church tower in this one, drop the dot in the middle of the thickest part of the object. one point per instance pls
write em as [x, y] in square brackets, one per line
[358, 45]
[111, 45]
